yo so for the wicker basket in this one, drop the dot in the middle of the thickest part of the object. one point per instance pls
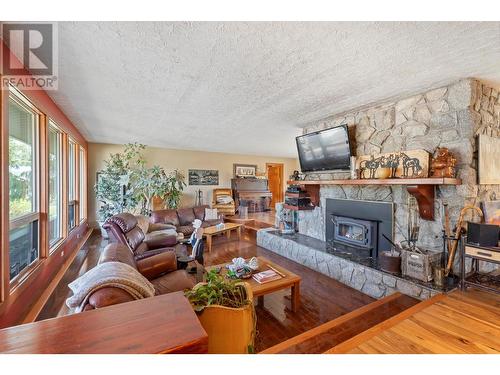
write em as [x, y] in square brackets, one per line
[419, 266]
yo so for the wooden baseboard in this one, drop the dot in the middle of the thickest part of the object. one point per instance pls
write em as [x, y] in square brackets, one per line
[40, 303]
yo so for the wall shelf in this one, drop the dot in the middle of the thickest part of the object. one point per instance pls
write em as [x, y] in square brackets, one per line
[423, 189]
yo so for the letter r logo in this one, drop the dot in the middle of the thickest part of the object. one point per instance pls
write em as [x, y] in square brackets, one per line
[32, 44]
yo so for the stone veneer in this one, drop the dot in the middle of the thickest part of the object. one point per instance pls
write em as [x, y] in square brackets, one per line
[313, 253]
[449, 116]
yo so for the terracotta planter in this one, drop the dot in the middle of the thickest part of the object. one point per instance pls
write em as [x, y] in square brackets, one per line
[230, 330]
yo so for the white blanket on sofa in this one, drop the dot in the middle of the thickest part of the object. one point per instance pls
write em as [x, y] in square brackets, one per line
[108, 274]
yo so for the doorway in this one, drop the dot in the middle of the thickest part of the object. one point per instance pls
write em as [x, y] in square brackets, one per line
[275, 177]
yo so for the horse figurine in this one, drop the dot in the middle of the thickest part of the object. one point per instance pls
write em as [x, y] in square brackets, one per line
[392, 162]
[410, 163]
[372, 164]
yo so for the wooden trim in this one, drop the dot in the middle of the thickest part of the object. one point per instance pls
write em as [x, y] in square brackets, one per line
[281, 198]
[329, 325]
[4, 193]
[373, 331]
[14, 306]
[40, 303]
[386, 181]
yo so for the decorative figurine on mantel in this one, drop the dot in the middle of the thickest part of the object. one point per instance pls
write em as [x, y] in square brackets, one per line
[297, 176]
[443, 163]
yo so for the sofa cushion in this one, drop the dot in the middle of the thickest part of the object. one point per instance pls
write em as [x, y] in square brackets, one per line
[186, 216]
[125, 221]
[165, 217]
[173, 282]
[135, 238]
[117, 252]
[160, 234]
[143, 223]
[156, 227]
[186, 230]
[199, 212]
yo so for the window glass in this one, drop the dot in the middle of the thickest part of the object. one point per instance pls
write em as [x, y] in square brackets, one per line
[23, 186]
[72, 185]
[55, 184]
[82, 189]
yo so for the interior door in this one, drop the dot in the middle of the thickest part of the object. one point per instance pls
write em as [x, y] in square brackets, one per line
[275, 179]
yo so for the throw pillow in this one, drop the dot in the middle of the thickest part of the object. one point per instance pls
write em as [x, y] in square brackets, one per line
[224, 199]
[211, 214]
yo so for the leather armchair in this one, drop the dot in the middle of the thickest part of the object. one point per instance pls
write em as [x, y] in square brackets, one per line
[123, 228]
[161, 270]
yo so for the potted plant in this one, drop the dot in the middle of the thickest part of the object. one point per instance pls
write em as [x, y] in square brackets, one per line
[126, 184]
[113, 189]
[149, 183]
[225, 310]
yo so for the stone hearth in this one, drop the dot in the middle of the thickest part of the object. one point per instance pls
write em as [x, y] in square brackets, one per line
[357, 273]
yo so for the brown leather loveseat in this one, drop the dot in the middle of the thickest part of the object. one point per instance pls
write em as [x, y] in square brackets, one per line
[161, 270]
[123, 228]
[183, 218]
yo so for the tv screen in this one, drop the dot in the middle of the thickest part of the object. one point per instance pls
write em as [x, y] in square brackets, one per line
[328, 149]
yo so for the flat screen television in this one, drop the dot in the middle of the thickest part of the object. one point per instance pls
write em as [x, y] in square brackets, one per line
[324, 150]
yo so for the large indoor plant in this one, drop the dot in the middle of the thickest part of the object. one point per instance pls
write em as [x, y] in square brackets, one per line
[127, 184]
[225, 310]
[149, 183]
[113, 189]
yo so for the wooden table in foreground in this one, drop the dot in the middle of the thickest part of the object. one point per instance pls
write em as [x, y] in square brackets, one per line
[212, 231]
[161, 324]
[290, 280]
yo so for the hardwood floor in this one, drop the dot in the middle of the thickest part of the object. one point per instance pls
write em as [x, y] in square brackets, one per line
[322, 298]
[460, 322]
[86, 259]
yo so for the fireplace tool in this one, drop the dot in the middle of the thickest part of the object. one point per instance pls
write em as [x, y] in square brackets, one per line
[413, 224]
[458, 232]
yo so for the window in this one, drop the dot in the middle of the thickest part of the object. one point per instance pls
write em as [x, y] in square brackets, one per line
[23, 185]
[72, 202]
[55, 185]
[83, 183]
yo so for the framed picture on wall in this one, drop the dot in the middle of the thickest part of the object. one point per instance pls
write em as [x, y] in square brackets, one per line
[203, 177]
[488, 159]
[244, 170]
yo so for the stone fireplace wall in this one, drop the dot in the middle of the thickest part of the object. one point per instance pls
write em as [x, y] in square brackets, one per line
[450, 116]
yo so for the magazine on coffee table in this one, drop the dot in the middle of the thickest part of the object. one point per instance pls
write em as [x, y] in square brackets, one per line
[266, 276]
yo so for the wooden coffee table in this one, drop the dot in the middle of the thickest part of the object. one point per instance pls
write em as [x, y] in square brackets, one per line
[212, 231]
[290, 280]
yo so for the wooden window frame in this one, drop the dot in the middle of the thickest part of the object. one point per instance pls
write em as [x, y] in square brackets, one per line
[74, 201]
[63, 177]
[38, 192]
[82, 175]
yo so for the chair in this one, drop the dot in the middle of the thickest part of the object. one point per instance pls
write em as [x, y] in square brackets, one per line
[123, 228]
[220, 196]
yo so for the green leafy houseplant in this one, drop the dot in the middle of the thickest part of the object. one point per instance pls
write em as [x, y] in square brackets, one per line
[217, 291]
[113, 189]
[127, 184]
[155, 182]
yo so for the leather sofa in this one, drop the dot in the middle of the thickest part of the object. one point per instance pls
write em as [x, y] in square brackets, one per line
[161, 270]
[123, 228]
[183, 218]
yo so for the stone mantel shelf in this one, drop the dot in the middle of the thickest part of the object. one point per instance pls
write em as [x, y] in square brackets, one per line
[423, 189]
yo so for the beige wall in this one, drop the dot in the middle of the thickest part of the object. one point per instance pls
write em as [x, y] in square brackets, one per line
[183, 160]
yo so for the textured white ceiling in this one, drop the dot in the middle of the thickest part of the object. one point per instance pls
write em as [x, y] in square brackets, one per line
[247, 87]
